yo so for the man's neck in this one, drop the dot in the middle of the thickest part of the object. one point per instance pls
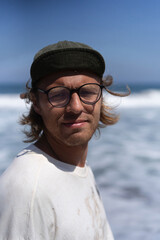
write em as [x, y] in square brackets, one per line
[74, 155]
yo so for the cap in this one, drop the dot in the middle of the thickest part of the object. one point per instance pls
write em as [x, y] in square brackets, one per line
[66, 55]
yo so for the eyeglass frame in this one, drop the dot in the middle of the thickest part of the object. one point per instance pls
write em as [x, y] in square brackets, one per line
[75, 90]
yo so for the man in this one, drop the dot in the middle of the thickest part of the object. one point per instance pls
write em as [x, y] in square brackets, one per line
[49, 192]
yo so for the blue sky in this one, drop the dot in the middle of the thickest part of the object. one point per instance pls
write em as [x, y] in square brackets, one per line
[126, 32]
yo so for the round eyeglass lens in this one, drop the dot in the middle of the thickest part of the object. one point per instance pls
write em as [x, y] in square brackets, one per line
[90, 93]
[59, 96]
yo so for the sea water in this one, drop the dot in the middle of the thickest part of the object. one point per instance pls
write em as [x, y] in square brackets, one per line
[125, 159]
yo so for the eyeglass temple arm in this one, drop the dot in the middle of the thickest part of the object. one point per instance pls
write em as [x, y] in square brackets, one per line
[43, 91]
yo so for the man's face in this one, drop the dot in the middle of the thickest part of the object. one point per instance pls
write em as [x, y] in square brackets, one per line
[75, 123]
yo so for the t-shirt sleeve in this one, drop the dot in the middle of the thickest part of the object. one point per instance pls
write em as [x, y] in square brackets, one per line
[24, 215]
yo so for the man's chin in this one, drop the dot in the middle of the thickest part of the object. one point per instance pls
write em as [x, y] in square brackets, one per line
[77, 140]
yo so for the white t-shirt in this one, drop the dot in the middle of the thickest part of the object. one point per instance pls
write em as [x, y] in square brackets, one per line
[43, 198]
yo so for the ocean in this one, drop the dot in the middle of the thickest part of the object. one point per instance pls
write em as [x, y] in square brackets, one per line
[125, 158]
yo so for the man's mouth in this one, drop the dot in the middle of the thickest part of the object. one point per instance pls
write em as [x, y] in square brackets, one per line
[75, 124]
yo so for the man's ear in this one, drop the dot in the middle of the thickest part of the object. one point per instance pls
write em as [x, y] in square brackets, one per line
[35, 104]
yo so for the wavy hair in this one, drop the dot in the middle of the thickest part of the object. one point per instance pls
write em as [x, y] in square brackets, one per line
[35, 123]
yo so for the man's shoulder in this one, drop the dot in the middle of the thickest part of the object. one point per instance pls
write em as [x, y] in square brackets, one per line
[23, 171]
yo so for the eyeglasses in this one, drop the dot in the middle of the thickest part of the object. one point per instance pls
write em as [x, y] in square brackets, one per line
[60, 96]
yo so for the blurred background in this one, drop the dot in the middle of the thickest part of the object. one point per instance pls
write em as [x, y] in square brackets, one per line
[126, 157]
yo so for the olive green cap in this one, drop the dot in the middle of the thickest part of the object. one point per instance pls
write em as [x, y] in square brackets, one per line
[66, 55]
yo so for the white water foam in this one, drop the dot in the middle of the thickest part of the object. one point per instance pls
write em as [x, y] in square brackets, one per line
[147, 98]
[11, 101]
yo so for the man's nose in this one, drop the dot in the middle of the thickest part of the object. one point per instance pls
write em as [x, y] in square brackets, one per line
[75, 105]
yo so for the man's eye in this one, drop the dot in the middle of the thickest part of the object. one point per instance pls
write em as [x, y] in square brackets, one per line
[58, 96]
[88, 92]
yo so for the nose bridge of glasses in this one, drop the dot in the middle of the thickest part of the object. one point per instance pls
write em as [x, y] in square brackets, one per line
[74, 90]
[74, 102]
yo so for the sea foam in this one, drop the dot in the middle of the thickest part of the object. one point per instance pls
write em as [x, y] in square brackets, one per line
[11, 101]
[147, 98]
